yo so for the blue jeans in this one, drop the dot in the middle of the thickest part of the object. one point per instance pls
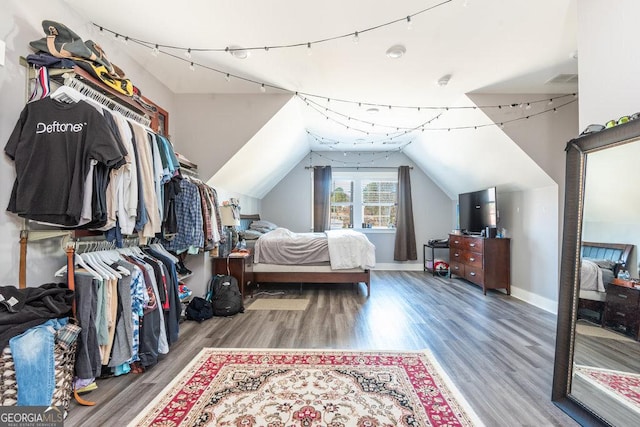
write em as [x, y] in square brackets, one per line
[35, 363]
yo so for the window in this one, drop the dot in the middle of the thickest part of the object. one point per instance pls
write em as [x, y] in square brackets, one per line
[364, 199]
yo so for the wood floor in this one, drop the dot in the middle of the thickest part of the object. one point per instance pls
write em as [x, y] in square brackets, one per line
[497, 349]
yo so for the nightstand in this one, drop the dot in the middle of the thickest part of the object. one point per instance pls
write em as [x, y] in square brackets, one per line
[621, 311]
[240, 267]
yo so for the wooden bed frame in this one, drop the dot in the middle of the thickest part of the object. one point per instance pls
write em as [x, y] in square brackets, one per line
[336, 276]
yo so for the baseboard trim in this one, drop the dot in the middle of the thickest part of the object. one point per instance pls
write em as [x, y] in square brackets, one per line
[541, 302]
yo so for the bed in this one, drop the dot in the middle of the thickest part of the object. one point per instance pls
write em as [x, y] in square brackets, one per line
[600, 263]
[310, 259]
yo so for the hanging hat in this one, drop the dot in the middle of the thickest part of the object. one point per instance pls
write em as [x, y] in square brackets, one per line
[62, 42]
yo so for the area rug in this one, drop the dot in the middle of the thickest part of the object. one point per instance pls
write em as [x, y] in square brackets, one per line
[622, 386]
[287, 388]
[597, 331]
[278, 304]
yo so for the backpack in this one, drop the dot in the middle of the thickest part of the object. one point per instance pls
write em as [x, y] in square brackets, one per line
[199, 309]
[225, 295]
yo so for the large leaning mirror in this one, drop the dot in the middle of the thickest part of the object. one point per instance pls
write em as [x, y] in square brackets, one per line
[597, 361]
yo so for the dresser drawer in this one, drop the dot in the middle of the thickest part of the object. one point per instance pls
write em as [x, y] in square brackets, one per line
[475, 275]
[456, 255]
[623, 296]
[474, 244]
[456, 268]
[473, 259]
[456, 242]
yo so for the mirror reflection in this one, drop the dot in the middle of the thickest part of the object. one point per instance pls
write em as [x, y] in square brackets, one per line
[606, 362]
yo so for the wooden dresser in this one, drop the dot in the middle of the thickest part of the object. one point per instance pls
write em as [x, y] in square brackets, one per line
[482, 261]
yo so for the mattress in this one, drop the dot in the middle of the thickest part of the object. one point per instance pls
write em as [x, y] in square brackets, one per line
[593, 295]
[282, 246]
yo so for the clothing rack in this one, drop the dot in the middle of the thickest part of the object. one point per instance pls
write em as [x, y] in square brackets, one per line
[85, 89]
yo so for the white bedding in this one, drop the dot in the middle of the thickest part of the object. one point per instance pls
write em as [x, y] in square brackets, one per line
[345, 249]
[283, 246]
[350, 249]
[591, 277]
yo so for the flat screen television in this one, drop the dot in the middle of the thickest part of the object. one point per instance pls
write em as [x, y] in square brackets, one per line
[477, 210]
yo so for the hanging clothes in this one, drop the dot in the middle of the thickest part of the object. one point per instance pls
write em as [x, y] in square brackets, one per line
[190, 236]
[51, 146]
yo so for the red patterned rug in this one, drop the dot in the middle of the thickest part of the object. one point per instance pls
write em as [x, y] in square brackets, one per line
[623, 386]
[290, 388]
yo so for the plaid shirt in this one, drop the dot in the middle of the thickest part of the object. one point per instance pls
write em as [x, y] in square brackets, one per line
[190, 234]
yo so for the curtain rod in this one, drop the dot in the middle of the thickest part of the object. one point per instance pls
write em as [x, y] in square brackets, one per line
[357, 167]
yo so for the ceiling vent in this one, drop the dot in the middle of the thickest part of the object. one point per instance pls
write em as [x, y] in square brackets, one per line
[563, 79]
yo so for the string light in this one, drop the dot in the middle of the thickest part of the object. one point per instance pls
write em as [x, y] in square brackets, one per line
[294, 45]
[356, 39]
[187, 54]
[263, 89]
[156, 50]
[309, 51]
[409, 24]
[376, 157]
[192, 67]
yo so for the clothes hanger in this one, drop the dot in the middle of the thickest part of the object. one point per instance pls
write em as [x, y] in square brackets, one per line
[113, 257]
[107, 259]
[88, 257]
[165, 252]
[68, 95]
[78, 261]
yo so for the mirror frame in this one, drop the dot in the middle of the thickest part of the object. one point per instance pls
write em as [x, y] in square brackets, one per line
[576, 164]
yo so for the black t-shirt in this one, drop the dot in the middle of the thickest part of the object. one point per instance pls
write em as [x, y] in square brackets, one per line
[52, 145]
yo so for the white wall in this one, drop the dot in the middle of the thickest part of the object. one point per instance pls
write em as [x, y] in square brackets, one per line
[20, 23]
[609, 89]
[531, 220]
[210, 129]
[289, 205]
[609, 66]
[533, 217]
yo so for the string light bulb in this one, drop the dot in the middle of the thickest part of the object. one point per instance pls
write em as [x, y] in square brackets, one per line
[227, 77]
[409, 23]
[155, 51]
[187, 54]
[309, 51]
[263, 89]
[192, 67]
[356, 38]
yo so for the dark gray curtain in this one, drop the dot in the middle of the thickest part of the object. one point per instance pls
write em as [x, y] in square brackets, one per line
[321, 197]
[405, 245]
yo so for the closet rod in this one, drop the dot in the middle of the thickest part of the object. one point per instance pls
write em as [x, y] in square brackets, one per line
[83, 88]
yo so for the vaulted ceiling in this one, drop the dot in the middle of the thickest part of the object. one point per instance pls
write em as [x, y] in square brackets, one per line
[335, 79]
